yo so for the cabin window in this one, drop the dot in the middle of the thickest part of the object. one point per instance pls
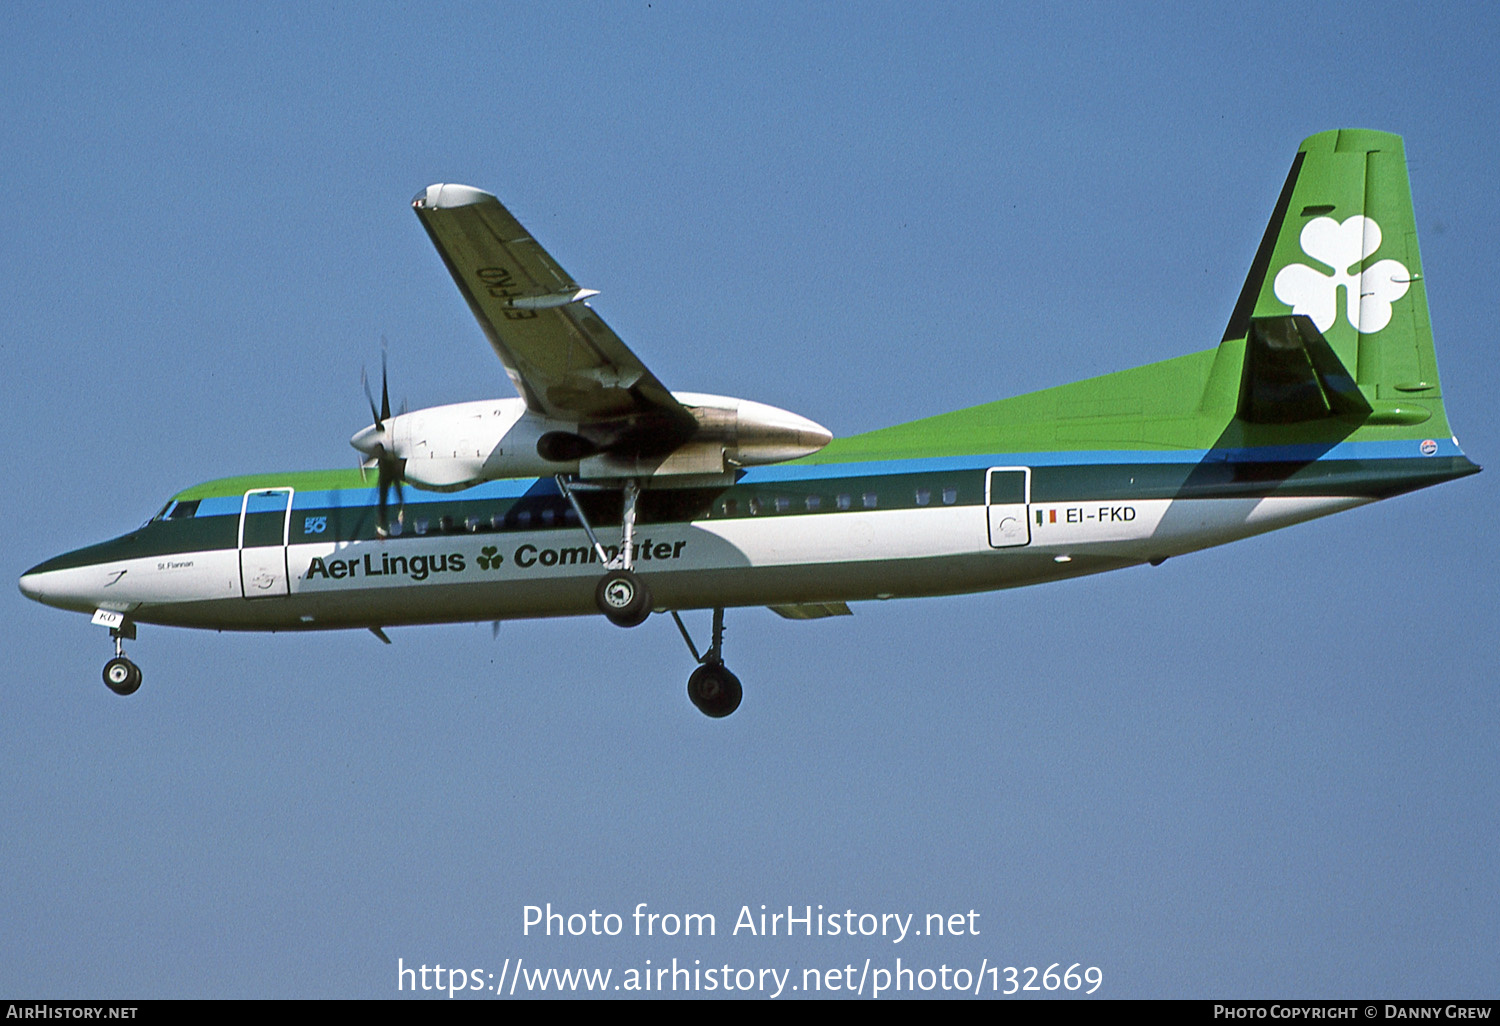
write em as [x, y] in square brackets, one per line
[472, 524]
[869, 500]
[813, 503]
[549, 515]
[754, 506]
[924, 496]
[420, 526]
[445, 524]
[845, 501]
[497, 521]
[783, 504]
[523, 518]
[950, 496]
[731, 507]
[570, 515]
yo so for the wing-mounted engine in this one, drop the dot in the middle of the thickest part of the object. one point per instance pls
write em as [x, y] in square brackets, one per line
[444, 448]
[729, 433]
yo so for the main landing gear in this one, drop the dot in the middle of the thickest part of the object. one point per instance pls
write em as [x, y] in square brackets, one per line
[621, 595]
[712, 688]
[121, 675]
[625, 600]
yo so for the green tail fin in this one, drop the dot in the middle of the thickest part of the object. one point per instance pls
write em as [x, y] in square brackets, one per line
[1341, 251]
[1329, 341]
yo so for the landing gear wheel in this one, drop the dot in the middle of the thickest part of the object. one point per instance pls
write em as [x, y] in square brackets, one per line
[122, 676]
[623, 598]
[714, 690]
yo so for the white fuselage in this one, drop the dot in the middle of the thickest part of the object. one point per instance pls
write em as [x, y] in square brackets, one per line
[778, 559]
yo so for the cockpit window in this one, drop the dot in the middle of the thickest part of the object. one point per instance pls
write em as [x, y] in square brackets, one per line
[175, 510]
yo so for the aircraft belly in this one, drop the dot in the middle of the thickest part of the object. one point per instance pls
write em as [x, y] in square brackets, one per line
[848, 556]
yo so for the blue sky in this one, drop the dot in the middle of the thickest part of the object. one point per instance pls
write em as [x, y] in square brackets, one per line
[1262, 770]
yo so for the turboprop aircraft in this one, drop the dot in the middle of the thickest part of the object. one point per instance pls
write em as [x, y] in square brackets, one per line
[598, 490]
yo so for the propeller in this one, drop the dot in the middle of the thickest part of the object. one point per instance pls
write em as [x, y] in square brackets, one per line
[373, 442]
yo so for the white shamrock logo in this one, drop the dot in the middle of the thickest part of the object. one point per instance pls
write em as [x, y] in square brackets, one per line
[1343, 246]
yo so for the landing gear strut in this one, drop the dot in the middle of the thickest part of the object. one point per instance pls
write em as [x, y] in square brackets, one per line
[621, 595]
[121, 675]
[712, 688]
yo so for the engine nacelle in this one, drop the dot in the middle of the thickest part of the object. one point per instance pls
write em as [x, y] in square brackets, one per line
[444, 448]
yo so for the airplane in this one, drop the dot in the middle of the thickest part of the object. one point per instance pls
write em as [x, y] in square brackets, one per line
[600, 491]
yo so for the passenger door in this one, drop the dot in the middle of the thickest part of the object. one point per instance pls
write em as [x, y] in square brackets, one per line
[1007, 495]
[265, 516]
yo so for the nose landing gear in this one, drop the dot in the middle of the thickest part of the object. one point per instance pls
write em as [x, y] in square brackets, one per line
[121, 675]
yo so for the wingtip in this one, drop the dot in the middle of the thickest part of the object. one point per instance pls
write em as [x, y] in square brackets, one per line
[444, 196]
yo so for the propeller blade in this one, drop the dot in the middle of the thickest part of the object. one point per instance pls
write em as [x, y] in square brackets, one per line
[390, 471]
[384, 485]
[364, 382]
[383, 413]
[385, 392]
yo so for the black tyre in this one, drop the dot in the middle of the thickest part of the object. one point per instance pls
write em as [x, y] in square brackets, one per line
[122, 676]
[623, 598]
[714, 690]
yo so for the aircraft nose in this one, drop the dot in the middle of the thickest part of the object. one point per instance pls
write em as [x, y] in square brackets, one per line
[42, 585]
[31, 586]
[61, 583]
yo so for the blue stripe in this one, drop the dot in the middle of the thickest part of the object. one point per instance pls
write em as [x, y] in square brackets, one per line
[359, 498]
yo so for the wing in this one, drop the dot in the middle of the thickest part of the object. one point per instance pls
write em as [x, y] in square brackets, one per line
[563, 359]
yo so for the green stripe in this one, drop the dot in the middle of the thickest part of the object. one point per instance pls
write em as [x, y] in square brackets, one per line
[302, 480]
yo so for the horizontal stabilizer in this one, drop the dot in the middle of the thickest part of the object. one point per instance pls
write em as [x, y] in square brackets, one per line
[812, 610]
[1291, 374]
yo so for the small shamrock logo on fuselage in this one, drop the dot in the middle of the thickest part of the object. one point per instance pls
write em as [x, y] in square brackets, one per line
[1343, 247]
[489, 558]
